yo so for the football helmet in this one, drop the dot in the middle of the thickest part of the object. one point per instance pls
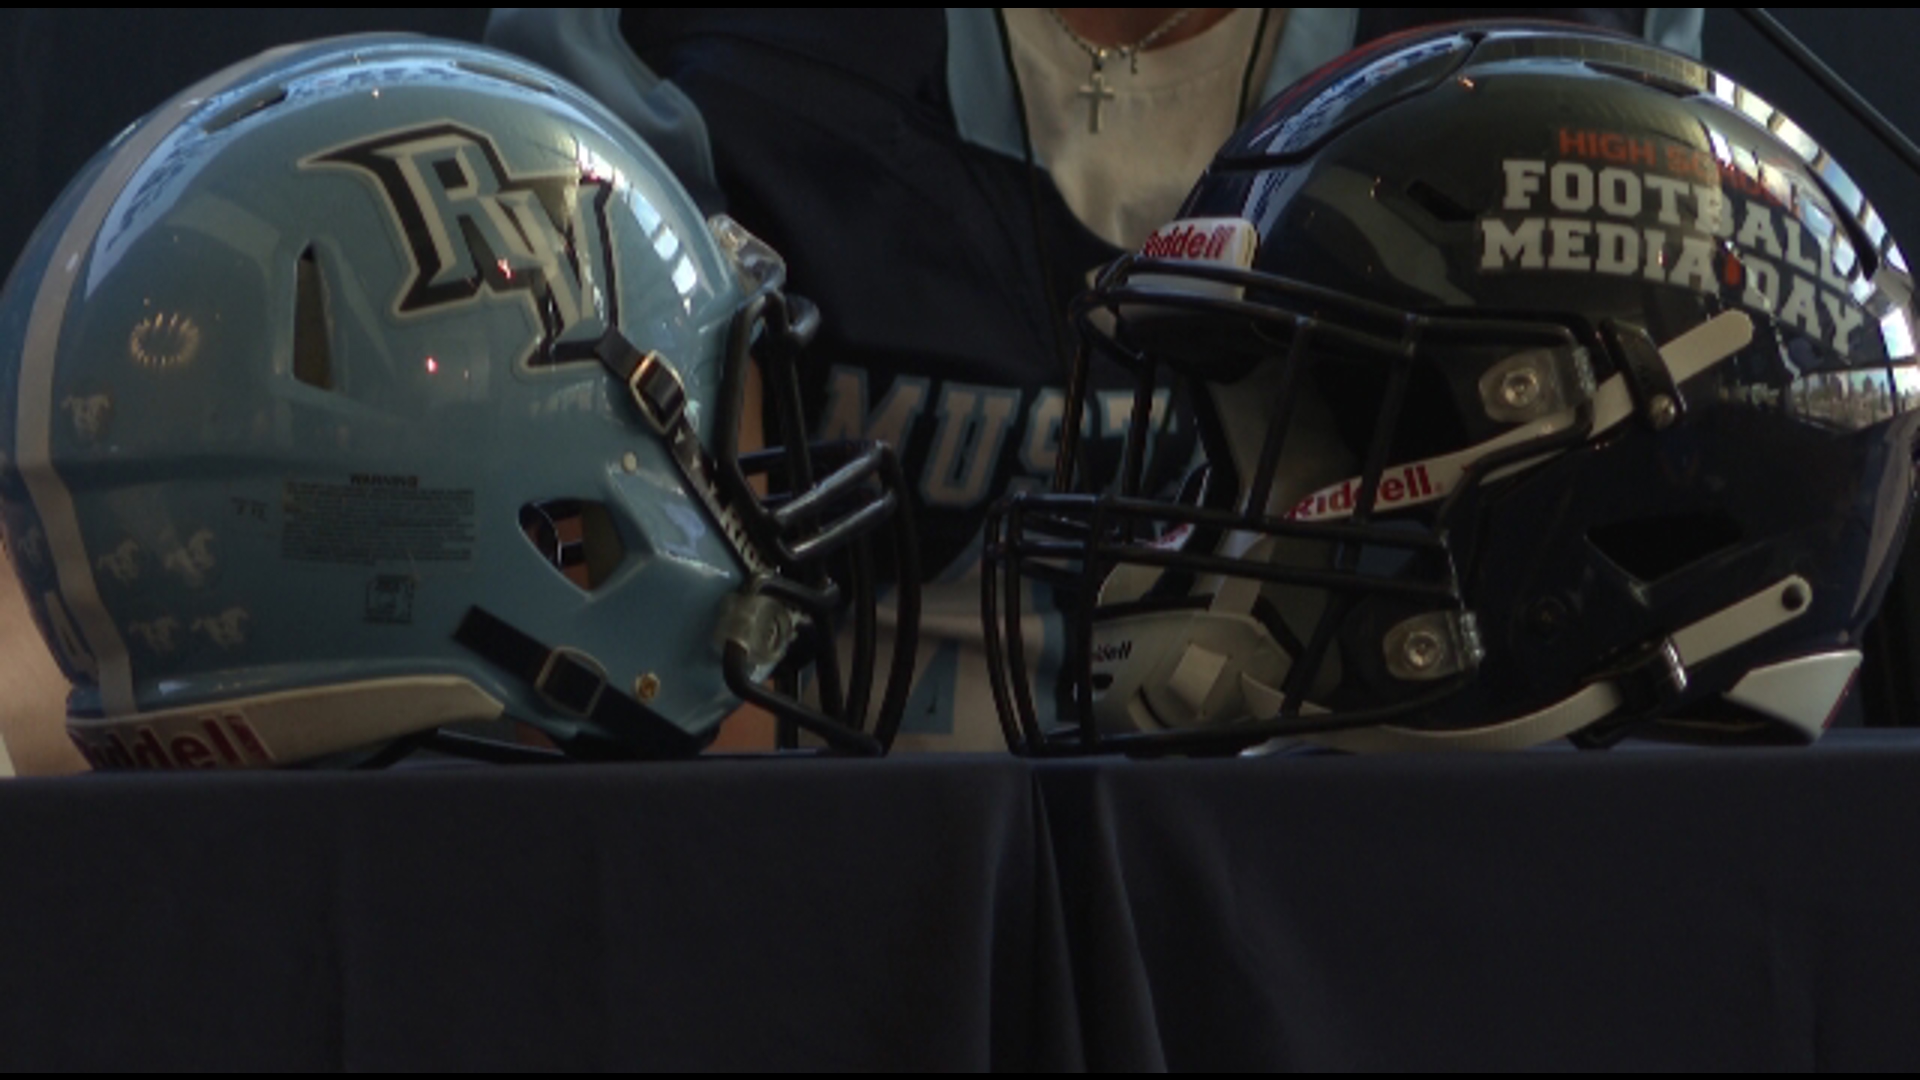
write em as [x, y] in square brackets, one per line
[1550, 385]
[380, 384]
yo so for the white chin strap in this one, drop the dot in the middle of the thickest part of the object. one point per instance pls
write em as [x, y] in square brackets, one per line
[1802, 693]
[1432, 479]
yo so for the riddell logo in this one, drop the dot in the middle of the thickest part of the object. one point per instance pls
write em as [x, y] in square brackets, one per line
[1184, 240]
[1410, 484]
[219, 741]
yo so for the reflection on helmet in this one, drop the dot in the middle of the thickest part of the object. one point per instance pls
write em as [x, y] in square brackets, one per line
[381, 384]
[1551, 385]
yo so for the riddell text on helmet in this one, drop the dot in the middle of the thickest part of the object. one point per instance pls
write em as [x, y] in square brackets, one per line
[1183, 240]
[214, 740]
[1629, 207]
[1410, 483]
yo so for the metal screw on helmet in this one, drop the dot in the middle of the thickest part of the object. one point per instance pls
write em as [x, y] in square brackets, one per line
[1548, 616]
[1663, 412]
[1434, 645]
[1532, 385]
[647, 687]
[1673, 666]
[1422, 650]
[1520, 387]
[761, 625]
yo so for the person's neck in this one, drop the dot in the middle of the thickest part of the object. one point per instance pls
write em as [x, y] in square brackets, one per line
[1122, 27]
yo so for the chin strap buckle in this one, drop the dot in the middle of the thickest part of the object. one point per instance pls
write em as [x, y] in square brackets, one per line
[1652, 680]
[651, 380]
[1650, 683]
[576, 685]
[1655, 394]
[571, 681]
[658, 391]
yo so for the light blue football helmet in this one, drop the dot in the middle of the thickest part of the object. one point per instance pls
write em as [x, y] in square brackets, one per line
[382, 384]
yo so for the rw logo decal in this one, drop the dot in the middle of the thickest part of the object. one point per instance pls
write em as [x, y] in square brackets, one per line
[471, 227]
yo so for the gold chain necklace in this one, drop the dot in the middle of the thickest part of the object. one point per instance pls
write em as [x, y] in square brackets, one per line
[1096, 90]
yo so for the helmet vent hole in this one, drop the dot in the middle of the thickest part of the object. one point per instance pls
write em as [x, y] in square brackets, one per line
[1674, 83]
[245, 107]
[492, 71]
[312, 349]
[576, 537]
[1438, 203]
[1653, 548]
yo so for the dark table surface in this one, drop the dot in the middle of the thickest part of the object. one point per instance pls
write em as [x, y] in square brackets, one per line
[1640, 908]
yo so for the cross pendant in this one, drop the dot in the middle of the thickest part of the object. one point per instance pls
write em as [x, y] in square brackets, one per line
[1096, 91]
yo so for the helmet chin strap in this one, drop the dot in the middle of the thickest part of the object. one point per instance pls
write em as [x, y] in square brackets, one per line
[1432, 479]
[1663, 673]
[1656, 675]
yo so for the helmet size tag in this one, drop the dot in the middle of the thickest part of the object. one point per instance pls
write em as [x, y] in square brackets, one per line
[374, 519]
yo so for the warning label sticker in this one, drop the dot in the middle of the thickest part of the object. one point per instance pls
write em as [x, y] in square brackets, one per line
[375, 518]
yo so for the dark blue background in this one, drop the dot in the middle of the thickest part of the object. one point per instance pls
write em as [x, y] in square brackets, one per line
[72, 78]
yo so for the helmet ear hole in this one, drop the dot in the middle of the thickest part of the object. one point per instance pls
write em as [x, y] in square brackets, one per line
[1651, 548]
[577, 538]
[312, 347]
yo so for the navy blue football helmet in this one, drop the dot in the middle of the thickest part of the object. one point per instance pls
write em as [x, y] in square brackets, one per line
[1551, 385]
[381, 384]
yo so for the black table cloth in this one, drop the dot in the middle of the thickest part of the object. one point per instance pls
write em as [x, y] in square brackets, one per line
[1642, 908]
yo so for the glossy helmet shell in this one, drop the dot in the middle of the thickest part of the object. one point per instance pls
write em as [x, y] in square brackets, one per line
[1659, 337]
[320, 357]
